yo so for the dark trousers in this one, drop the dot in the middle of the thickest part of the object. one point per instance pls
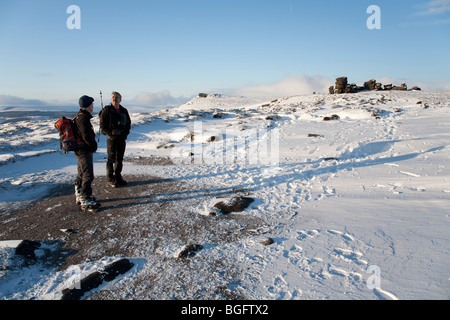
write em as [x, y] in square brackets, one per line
[85, 175]
[116, 151]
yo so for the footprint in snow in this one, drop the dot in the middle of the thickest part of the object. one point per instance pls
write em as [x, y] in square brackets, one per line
[329, 191]
[302, 234]
[350, 255]
[333, 270]
[281, 290]
[346, 236]
[294, 254]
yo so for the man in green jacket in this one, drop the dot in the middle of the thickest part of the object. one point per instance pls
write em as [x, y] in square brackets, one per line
[115, 123]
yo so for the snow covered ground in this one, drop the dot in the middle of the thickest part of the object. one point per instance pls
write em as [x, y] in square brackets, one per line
[358, 207]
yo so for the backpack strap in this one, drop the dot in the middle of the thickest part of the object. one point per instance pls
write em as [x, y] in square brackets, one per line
[75, 128]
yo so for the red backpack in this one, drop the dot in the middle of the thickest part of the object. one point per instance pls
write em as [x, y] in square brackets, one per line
[67, 135]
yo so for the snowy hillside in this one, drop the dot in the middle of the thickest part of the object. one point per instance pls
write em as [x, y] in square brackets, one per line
[351, 198]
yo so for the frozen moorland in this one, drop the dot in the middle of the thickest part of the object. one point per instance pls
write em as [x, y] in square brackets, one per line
[356, 206]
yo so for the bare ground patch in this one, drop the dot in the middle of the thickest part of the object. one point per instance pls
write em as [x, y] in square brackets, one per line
[140, 221]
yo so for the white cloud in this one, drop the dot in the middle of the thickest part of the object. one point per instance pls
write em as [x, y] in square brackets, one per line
[291, 86]
[434, 7]
[12, 101]
[157, 100]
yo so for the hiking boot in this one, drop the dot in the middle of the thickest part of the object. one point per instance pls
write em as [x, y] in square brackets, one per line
[121, 182]
[90, 204]
[77, 195]
[112, 184]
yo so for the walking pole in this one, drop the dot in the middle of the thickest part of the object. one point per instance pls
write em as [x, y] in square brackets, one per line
[99, 127]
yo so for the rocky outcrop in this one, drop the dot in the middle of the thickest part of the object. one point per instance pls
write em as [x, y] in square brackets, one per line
[403, 87]
[342, 86]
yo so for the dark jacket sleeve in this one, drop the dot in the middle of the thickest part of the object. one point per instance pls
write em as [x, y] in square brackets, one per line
[128, 125]
[105, 122]
[86, 133]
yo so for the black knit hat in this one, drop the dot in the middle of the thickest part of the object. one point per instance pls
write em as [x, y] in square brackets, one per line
[85, 102]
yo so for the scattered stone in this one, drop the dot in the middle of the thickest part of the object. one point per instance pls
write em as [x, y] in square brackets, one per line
[190, 251]
[116, 269]
[94, 280]
[68, 231]
[217, 115]
[26, 250]
[237, 204]
[314, 135]
[267, 242]
[333, 117]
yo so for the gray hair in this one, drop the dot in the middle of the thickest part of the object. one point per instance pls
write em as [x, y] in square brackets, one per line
[116, 93]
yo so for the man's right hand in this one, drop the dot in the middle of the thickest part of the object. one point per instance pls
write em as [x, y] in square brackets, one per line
[116, 132]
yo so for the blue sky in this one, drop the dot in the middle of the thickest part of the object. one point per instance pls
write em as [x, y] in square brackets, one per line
[164, 52]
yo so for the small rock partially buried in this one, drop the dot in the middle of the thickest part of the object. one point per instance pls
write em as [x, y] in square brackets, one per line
[95, 279]
[190, 250]
[333, 117]
[267, 242]
[237, 204]
[314, 135]
[26, 250]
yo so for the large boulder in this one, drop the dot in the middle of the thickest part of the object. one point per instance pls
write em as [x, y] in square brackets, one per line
[403, 87]
[340, 85]
[331, 90]
[370, 85]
